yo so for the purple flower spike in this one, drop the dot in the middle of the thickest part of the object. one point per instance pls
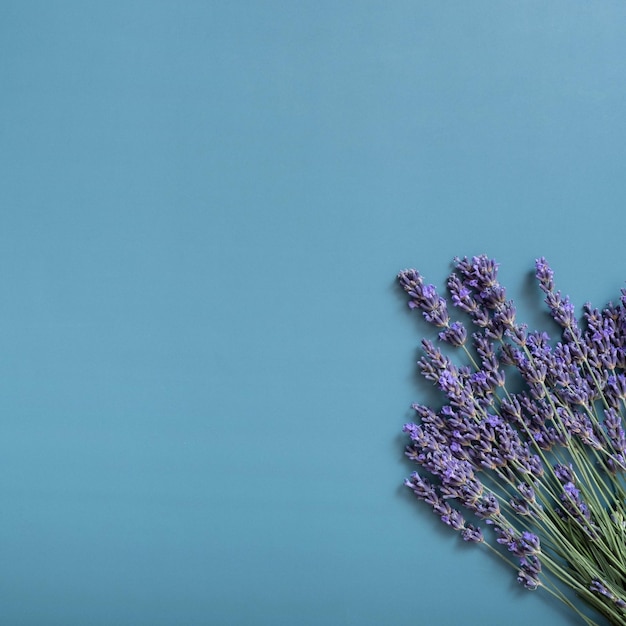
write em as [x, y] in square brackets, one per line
[472, 534]
[564, 473]
[422, 488]
[528, 575]
[455, 334]
[521, 507]
[601, 589]
[487, 506]
[530, 543]
[529, 581]
[615, 430]
[453, 518]
[538, 454]
[544, 274]
[461, 295]
[424, 297]
[562, 309]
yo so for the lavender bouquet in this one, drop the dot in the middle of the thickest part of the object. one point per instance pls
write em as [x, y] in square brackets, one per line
[529, 445]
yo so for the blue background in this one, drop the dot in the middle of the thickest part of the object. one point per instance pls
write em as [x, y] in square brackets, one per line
[205, 362]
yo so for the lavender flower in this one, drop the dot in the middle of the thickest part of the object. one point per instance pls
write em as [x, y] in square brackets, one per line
[427, 492]
[472, 534]
[600, 588]
[527, 544]
[542, 462]
[564, 473]
[544, 274]
[617, 439]
[424, 297]
[525, 502]
[528, 574]
[455, 334]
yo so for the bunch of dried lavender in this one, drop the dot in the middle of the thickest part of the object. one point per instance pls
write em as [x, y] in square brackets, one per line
[540, 463]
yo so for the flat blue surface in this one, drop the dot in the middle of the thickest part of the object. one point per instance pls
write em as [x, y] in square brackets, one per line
[205, 364]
